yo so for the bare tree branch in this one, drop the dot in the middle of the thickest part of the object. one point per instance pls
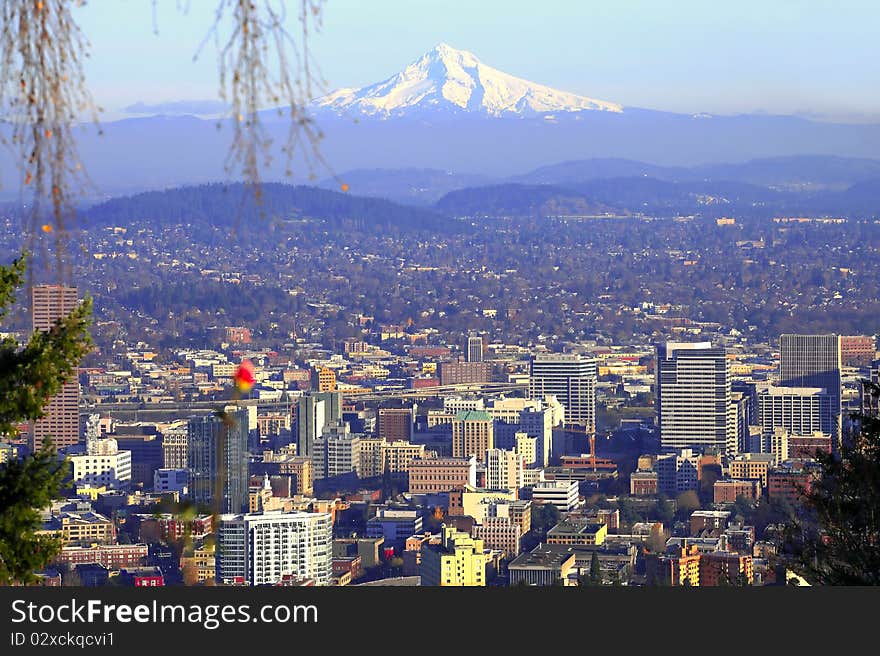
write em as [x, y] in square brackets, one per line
[42, 94]
[263, 67]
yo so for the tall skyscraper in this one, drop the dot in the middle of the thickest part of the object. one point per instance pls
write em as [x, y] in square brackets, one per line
[797, 410]
[813, 361]
[475, 348]
[336, 452]
[396, 423]
[694, 398]
[571, 378]
[503, 470]
[472, 434]
[217, 455]
[314, 411]
[274, 547]
[49, 303]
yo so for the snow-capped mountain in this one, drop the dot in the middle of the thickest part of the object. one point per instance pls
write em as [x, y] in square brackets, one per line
[454, 81]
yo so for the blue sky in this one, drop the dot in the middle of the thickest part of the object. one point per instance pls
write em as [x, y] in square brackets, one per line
[780, 56]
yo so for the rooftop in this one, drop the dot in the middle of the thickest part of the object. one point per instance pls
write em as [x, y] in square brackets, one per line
[542, 557]
[574, 527]
[473, 415]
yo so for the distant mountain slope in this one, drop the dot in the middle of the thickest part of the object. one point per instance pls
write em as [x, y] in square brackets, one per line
[449, 111]
[808, 171]
[597, 168]
[413, 186]
[447, 80]
[652, 197]
[521, 201]
[234, 205]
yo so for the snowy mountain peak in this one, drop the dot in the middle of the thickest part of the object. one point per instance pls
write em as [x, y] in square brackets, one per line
[449, 80]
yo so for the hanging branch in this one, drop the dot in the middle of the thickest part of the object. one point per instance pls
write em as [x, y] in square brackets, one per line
[42, 93]
[263, 66]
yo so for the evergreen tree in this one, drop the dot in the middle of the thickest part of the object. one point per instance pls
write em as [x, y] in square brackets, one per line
[595, 570]
[30, 375]
[834, 537]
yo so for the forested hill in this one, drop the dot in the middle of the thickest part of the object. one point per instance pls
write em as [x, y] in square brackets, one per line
[520, 200]
[235, 205]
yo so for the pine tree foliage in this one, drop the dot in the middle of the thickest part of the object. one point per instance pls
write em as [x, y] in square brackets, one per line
[30, 375]
[835, 538]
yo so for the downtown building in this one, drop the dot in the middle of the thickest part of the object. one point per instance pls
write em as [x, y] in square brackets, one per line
[60, 420]
[337, 452]
[813, 361]
[474, 348]
[458, 561]
[571, 378]
[314, 411]
[100, 464]
[795, 410]
[503, 470]
[217, 458]
[695, 406]
[472, 434]
[439, 475]
[396, 424]
[274, 547]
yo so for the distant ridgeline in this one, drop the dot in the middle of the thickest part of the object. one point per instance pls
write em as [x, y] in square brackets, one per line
[653, 197]
[234, 205]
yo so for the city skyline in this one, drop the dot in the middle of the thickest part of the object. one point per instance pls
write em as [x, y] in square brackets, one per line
[519, 328]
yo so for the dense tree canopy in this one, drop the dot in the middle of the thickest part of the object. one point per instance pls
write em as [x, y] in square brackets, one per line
[835, 537]
[29, 376]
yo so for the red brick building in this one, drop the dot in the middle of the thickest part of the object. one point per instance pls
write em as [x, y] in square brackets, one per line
[111, 556]
[142, 577]
[422, 382]
[789, 484]
[395, 424]
[805, 446]
[460, 373]
[352, 565]
[432, 475]
[643, 484]
[237, 335]
[725, 568]
[857, 350]
[726, 491]
[169, 529]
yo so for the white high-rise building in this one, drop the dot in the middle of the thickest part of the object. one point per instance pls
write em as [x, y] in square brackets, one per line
[538, 423]
[101, 464]
[571, 378]
[336, 452]
[562, 494]
[813, 361]
[503, 470]
[798, 410]
[475, 348]
[526, 448]
[694, 398]
[272, 547]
